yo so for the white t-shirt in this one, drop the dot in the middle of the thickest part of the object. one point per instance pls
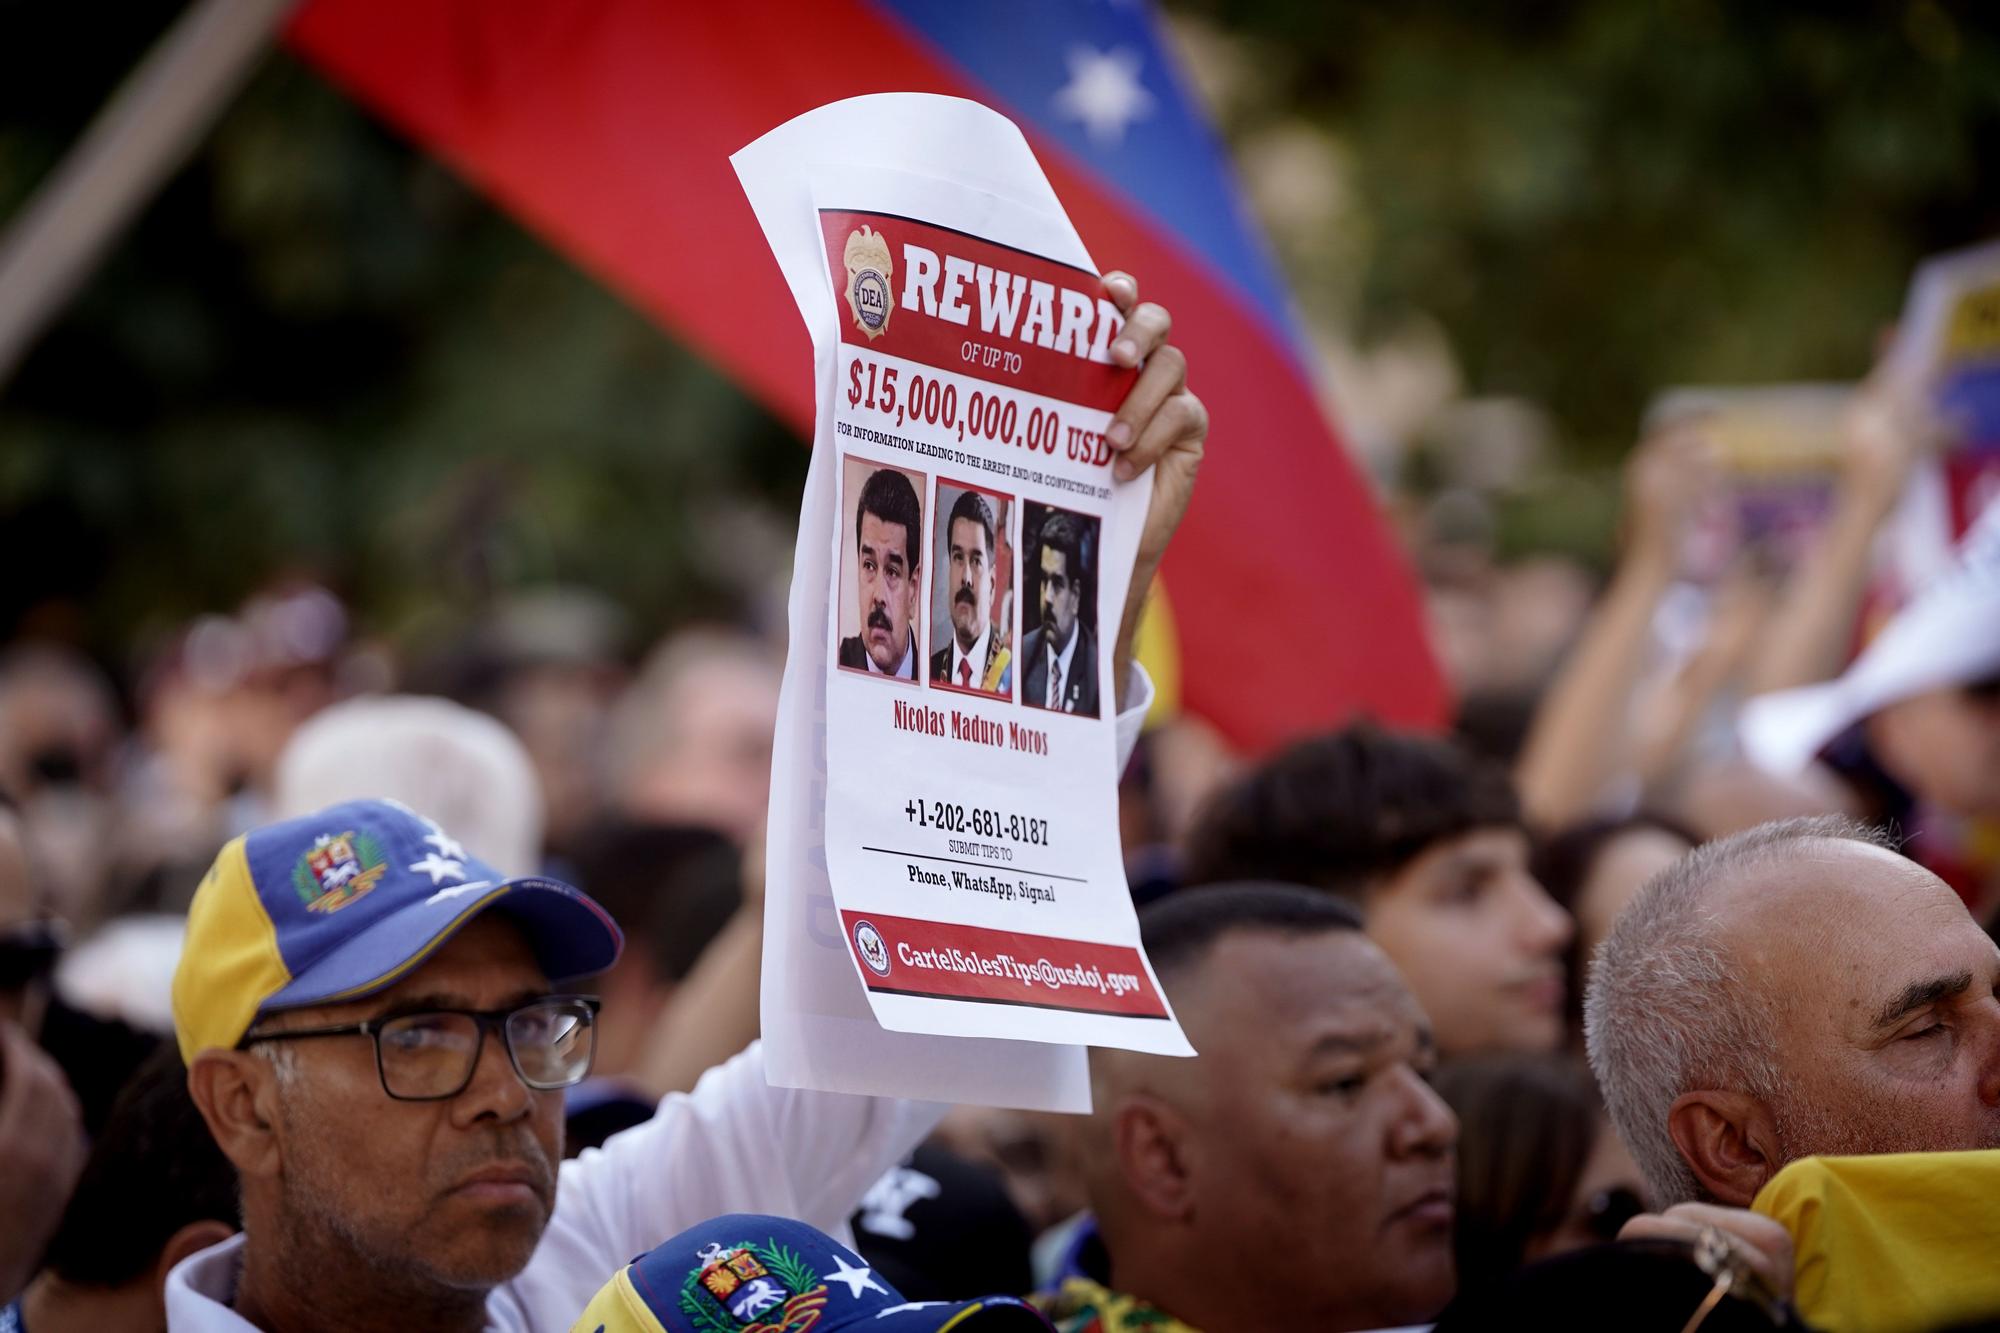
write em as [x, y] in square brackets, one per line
[733, 1145]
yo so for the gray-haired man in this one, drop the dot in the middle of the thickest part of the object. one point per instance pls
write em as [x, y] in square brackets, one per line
[1794, 990]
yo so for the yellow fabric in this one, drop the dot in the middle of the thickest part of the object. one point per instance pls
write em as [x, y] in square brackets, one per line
[1900, 1241]
[996, 671]
[230, 964]
[617, 1308]
[1083, 1306]
[1157, 645]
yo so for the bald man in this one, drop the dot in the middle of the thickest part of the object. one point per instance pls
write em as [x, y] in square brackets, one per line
[1795, 990]
[1298, 1172]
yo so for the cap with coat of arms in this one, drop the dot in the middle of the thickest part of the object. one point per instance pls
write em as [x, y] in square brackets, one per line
[339, 904]
[745, 1273]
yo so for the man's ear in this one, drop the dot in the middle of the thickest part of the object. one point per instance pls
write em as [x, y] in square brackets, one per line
[1728, 1140]
[1152, 1144]
[237, 1094]
[190, 1239]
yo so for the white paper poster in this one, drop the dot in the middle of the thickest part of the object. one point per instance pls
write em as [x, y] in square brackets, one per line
[944, 818]
[1948, 348]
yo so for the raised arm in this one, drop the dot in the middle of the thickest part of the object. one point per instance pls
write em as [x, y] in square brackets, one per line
[1813, 627]
[1161, 427]
[1581, 737]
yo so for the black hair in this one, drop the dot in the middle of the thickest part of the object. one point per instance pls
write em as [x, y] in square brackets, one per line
[1340, 811]
[1641, 1286]
[972, 505]
[1065, 533]
[1179, 930]
[889, 496]
[670, 887]
[153, 1170]
[1563, 860]
[1527, 1124]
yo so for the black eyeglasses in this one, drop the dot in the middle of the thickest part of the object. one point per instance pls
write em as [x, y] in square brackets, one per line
[429, 1056]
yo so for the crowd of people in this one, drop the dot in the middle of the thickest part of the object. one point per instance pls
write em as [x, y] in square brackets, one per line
[1608, 1019]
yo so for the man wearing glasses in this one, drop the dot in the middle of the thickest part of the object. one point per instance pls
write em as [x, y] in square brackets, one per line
[376, 1036]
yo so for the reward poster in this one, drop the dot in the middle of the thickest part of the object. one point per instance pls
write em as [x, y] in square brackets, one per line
[947, 743]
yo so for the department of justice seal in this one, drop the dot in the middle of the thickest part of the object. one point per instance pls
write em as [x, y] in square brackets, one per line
[869, 944]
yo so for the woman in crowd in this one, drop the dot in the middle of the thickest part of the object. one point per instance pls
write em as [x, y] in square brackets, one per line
[1540, 1171]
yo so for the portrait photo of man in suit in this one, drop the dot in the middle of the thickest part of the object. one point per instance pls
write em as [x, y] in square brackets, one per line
[1059, 655]
[886, 553]
[971, 574]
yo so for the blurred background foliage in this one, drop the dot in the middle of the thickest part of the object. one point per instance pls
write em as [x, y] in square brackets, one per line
[1593, 201]
[1506, 225]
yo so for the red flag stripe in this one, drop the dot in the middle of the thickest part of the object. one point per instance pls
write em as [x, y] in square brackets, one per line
[607, 128]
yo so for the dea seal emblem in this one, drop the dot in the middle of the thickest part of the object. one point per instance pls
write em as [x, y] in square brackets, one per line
[870, 273]
[873, 949]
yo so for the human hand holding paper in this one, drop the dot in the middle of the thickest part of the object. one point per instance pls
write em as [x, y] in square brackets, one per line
[1887, 429]
[1161, 425]
[1668, 477]
[951, 845]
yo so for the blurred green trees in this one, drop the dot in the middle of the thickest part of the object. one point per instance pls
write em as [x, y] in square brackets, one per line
[1596, 199]
[319, 352]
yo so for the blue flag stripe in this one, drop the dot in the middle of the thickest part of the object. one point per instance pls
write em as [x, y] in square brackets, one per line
[1095, 77]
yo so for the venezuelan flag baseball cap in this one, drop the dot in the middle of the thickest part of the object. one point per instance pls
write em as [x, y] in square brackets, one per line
[340, 904]
[748, 1272]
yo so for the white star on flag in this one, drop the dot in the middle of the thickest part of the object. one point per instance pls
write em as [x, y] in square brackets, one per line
[857, 1279]
[1104, 93]
[446, 844]
[437, 867]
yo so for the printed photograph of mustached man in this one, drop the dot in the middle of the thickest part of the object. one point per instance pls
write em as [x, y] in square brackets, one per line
[882, 561]
[1059, 582]
[972, 591]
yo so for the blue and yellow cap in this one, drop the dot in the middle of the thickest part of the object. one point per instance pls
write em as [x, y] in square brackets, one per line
[345, 902]
[746, 1273]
